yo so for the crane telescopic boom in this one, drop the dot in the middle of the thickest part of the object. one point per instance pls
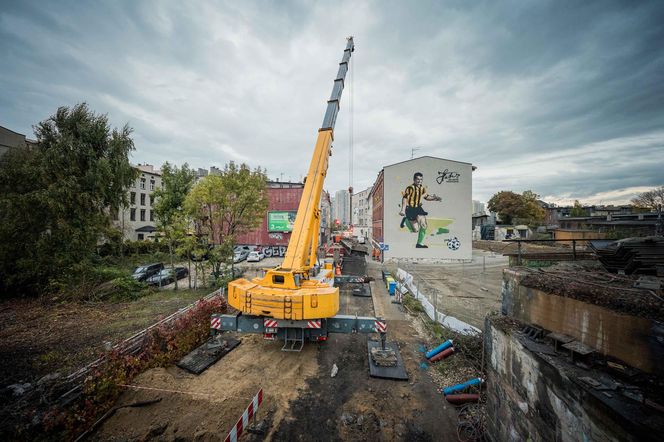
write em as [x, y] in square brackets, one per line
[289, 291]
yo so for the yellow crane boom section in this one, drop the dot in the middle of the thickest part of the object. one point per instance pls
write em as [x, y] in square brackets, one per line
[289, 291]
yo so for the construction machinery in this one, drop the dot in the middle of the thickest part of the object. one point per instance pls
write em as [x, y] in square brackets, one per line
[297, 301]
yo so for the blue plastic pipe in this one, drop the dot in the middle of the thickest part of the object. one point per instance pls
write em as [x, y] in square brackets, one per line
[445, 345]
[461, 387]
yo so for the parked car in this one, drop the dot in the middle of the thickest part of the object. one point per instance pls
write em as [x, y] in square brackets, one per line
[240, 255]
[167, 276]
[144, 272]
[226, 273]
[255, 256]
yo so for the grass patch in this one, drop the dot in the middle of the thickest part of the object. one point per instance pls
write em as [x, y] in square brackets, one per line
[412, 304]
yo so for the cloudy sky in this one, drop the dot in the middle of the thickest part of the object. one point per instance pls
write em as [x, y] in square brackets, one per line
[564, 98]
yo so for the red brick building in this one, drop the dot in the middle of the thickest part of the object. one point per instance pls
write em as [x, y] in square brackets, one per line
[282, 197]
[377, 212]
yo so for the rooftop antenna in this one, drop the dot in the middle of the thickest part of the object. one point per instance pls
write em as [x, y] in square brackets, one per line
[413, 150]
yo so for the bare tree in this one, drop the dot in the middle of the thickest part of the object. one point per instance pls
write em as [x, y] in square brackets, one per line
[653, 200]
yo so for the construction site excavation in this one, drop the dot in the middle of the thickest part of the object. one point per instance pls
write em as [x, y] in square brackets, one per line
[242, 303]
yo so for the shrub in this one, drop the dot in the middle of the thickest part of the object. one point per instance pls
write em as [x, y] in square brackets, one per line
[123, 288]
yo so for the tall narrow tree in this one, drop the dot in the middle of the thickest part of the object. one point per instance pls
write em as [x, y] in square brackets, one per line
[169, 206]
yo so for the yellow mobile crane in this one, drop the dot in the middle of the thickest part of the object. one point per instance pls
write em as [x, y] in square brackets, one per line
[290, 302]
[289, 291]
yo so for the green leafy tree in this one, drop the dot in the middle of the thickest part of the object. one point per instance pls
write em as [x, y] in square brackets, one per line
[654, 201]
[506, 204]
[531, 212]
[578, 210]
[187, 247]
[169, 206]
[55, 197]
[514, 208]
[226, 205]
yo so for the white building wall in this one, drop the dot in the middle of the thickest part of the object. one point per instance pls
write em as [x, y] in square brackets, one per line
[362, 211]
[342, 206]
[449, 231]
[142, 206]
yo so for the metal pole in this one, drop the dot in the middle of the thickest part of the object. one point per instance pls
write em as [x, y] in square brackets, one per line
[518, 259]
[573, 250]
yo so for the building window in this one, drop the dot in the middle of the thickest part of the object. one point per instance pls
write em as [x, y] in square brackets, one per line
[142, 214]
[151, 200]
[151, 184]
[142, 199]
[151, 215]
[132, 214]
[143, 183]
[132, 197]
[140, 237]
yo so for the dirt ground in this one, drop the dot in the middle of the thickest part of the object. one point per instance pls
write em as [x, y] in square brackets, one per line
[467, 291]
[37, 339]
[301, 400]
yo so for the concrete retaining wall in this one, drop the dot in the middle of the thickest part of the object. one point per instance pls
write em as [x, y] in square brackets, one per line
[528, 398]
[639, 342]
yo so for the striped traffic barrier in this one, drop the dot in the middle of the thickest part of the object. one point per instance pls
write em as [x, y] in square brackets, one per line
[243, 422]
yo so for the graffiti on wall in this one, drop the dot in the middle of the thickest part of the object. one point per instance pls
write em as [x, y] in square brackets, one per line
[273, 251]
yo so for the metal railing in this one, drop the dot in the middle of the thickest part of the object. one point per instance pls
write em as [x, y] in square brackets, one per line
[520, 253]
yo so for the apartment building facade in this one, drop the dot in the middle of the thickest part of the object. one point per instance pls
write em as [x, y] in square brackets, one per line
[137, 221]
[362, 207]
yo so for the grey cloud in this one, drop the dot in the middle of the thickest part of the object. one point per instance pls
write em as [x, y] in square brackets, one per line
[497, 84]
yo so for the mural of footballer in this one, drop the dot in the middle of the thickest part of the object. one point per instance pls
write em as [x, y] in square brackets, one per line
[412, 210]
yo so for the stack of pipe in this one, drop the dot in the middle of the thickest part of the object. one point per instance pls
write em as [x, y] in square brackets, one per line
[462, 398]
[441, 352]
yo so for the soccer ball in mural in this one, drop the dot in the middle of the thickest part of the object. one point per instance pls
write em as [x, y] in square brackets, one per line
[453, 244]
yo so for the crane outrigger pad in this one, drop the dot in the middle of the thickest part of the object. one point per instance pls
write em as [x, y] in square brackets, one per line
[207, 354]
[381, 361]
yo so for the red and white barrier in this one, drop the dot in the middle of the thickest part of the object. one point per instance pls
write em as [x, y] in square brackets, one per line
[243, 422]
[314, 323]
[215, 323]
[380, 326]
[270, 323]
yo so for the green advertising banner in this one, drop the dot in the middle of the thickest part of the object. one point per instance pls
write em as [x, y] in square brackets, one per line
[280, 221]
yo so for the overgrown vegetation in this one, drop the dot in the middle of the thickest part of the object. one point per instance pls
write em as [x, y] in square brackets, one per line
[103, 386]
